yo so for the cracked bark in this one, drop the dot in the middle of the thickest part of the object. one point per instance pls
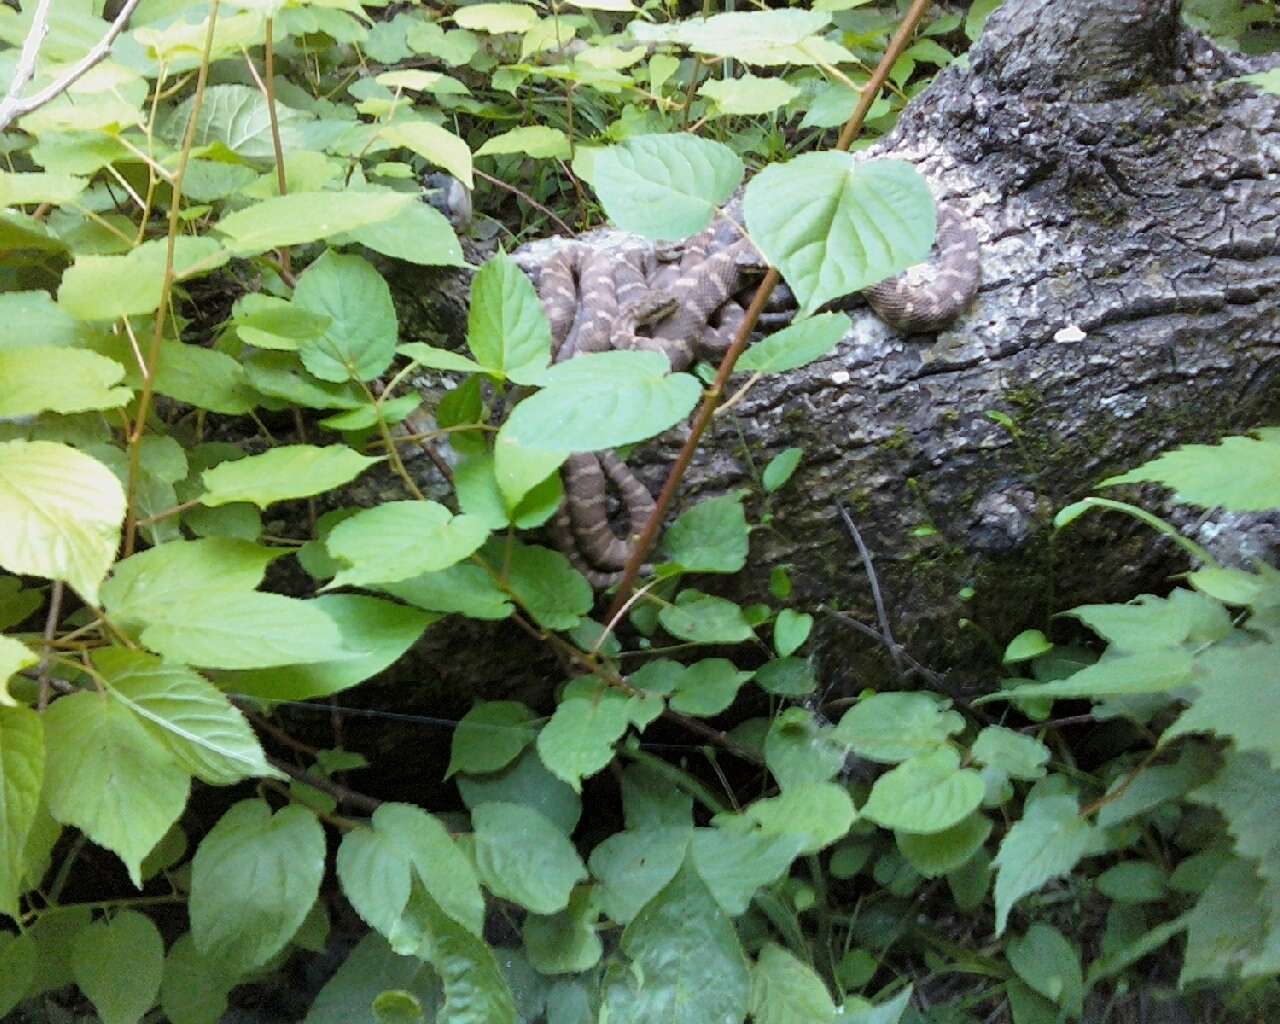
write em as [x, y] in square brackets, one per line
[1127, 195]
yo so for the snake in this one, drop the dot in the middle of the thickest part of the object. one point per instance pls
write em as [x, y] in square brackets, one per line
[683, 302]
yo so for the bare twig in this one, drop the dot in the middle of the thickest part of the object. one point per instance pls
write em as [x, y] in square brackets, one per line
[50, 631]
[339, 792]
[771, 278]
[527, 198]
[11, 107]
[882, 616]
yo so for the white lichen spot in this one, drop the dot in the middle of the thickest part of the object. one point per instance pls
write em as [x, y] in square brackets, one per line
[840, 377]
[1069, 335]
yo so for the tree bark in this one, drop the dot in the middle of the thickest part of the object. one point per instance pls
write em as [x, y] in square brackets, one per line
[1127, 196]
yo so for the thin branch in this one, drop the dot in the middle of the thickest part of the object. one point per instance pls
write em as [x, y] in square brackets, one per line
[527, 198]
[713, 395]
[360, 801]
[12, 108]
[26, 68]
[882, 615]
[50, 631]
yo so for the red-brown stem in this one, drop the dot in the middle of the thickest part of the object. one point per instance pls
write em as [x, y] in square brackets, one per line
[712, 397]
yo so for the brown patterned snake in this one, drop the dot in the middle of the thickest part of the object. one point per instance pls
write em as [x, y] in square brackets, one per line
[623, 297]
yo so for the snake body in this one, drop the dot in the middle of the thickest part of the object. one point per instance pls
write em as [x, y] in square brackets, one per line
[625, 297]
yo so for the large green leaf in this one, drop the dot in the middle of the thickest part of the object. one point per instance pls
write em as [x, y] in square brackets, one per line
[434, 144]
[497, 18]
[103, 954]
[538, 141]
[707, 687]
[710, 537]
[193, 990]
[1046, 961]
[203, 377]
[851, 224]
[507, 329]
[785, 990]
[521, 856]
[748, 94]
[1238, 698]
[360, 341]
[799, 749]
[14, 657]
[1114, 675]
[819, 813]
[490, 736]
[398, 540]
[371, 968]
[107, 287]
[927, 793]
[633, 866]
[567, 942]
[1017, 755]
[525, 781]
[687, 966]
[62, 512]
[18, 954]
[1241, 474]
[892, 727]
[253, 880]
[1153, 623]
[86, 381]
[373, 634]
[665, 186]
[307, 217]
[464, 588]
[1245, 791]
[418, 234]
[281, 474]
[209, 737]
[108, 776]
[796, 345]
[378, 867]
[705, 618]
[546, 585]
[940, 853]
[474, 989]
[579, 739]
[21, 775]
[1049, 841]
[145, 584]
[238, 117]
[735, 863]
[765, 38]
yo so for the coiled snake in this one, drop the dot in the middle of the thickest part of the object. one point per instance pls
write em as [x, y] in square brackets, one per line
[625, 297]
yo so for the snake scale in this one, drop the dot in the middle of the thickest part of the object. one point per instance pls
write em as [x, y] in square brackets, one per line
[627, 297]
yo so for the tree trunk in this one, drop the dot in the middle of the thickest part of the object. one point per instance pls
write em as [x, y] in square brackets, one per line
[1127, 199]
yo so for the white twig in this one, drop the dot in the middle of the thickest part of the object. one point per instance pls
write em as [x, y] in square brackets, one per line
[11, 107]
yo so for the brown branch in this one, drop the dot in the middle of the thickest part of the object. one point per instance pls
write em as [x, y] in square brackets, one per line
[527, 198]
[713, 395]
[339, 792]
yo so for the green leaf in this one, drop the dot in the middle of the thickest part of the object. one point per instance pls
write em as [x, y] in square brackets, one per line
[1238, 699]
[253, 881]
[1049, 841]
[463, 588]
[146, 584]
[780, 468]
[734, 864]
[748, 95]
[193, 991]
[496, 18]
[928, 793]
[398, 540]
[537, 141]
[819, 813]
[474, 989]
[360, 341]
[1244, 791]
[766, 38]
[1030, 643]
[1018, 756]
[785, 990]
[632, 867]
[434, 144]
[546, 585]
[22, 771]
[378, 867]
[418, 234]
[1114, 675]
[799, 750]
[197, 376]
[105, 952]
[857, 223]
[707, 687]
[490, 736]
[565, 943]
[710, 537]
[1046, 961]
[786, 677]
[32, 318]
[525, 781]
[1153, 623]
[282, 474]
[371, 968]
[307, 217]
[790, 631]
[106, 775]
[859, 1011]
[1241, 474]
[796, 345]
[14, 657]
[62, 512]
[703, 618]
[438, 358]
[85, 380]
[109, 287]
[579, 739]
[940, 853]
[687, 964]
[1133, 881]
[206, 734]
[521, 856]
[665, 186]
[507, 329]
[18, 954]
[892, 727]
